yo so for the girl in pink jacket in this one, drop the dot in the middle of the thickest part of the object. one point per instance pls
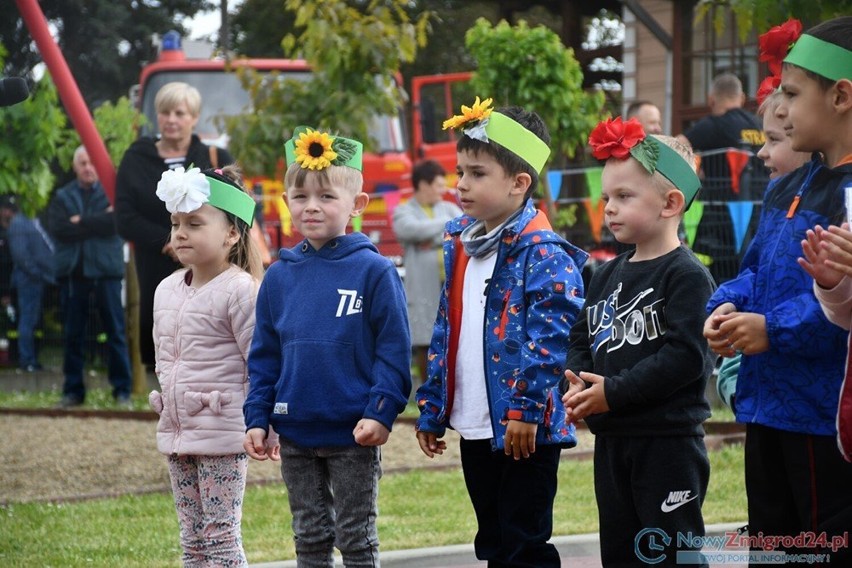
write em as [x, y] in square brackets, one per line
[203, 325]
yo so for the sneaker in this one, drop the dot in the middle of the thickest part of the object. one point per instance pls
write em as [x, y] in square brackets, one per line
[69, 401]
[124, 401]
[30, 368]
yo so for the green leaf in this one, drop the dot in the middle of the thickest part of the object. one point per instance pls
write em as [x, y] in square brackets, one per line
[647, 154]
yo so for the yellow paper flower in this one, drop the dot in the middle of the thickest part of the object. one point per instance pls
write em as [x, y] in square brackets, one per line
[479, 111]
[313, 150]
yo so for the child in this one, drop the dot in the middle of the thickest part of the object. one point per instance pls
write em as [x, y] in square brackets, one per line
[792, 367]
[780, 159]
[203, 324]
[637, 363]
[330, 360]
[512, 292]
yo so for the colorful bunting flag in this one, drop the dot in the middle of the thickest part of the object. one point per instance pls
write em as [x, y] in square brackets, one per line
[554, 181]
[691, 219]
[740, 212]
[593, 180]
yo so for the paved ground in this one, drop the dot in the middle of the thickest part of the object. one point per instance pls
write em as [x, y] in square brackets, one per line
[577, 551]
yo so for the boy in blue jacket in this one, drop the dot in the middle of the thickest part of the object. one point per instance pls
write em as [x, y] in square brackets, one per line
[793, 357]
[329, 365]
[513, 289]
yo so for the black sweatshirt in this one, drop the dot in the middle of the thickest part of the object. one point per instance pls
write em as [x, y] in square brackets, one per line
[641, 328]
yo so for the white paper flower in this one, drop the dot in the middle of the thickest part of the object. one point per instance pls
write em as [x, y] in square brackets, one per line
[478, 132]
[183, 191]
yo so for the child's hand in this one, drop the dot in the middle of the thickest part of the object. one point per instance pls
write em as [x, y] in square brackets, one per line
[520, 439]
[827, 254]
[369, 432]
[746, 332]
[718, 341]
[274, 452]
[430, 444]
[591, 400]
[575, 385]
[255, 445]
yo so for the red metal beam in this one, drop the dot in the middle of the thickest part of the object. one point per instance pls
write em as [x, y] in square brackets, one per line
[69, 93]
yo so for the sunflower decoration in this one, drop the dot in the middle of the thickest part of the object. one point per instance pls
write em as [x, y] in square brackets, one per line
[316, 150]
[470, 116]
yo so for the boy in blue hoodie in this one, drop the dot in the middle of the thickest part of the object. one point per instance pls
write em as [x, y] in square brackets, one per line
[330, 360]
[512, 291]
[793, 357]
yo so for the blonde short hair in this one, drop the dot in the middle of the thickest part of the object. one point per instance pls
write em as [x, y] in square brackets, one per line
[770, 104]
[343, 177]
[172, 94]
[660, 181]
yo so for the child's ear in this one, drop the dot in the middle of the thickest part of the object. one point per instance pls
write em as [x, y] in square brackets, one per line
[843, 95]
[233, 236]
[361, 201]
[522, 183]
[674, 203]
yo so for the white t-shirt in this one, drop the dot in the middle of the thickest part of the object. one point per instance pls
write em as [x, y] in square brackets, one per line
[471, 416]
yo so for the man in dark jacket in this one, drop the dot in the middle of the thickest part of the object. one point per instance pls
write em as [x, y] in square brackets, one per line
[89, 260]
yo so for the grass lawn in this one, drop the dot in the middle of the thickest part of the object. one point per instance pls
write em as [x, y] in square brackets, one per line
[419, 508]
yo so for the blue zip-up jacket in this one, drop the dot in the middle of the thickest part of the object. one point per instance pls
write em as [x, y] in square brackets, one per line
[534, 296]
[794, 386]
[94, 237]
[331, 344]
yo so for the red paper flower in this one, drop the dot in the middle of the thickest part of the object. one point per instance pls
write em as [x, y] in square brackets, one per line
[775, 43]
[767, 87]
[614, 138]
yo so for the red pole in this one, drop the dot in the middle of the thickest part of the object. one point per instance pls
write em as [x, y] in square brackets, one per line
[81, 118]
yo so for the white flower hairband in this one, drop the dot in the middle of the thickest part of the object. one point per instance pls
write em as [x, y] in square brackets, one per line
[183, 191]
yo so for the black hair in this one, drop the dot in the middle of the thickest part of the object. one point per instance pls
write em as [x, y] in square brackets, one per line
[427, 171]
[837, 31]
[511, 163]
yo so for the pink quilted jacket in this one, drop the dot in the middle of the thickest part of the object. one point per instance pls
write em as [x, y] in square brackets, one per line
[837, 305]
[202, 338]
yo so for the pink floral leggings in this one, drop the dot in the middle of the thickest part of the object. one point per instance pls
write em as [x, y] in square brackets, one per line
[208, 492]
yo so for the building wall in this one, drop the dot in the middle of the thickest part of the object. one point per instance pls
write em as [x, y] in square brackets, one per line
[645, 59]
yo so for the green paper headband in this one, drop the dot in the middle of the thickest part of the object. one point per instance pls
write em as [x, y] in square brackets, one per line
[518, 140]
[821, 57]
[674, 168]
[317, 150]
[228, 198]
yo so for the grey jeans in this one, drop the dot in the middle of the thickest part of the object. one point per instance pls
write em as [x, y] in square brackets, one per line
[333, 499]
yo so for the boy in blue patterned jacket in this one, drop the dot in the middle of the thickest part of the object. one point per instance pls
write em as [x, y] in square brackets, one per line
[793, 357]
[513, 289]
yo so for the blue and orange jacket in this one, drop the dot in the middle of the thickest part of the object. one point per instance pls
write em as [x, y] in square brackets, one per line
[794, 386]
[533, 298]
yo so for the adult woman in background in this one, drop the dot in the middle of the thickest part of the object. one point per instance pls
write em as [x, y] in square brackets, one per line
[140, 214]
[419, 227]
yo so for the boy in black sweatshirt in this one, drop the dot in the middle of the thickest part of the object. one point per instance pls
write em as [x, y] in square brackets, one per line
[638, 363]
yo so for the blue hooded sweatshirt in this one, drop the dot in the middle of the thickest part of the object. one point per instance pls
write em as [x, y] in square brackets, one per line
[331, 344]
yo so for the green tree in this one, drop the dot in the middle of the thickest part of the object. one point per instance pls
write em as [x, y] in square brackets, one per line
[354, 55]
[117, 124]
[258, 27]
[760, 15]
[32, 131]
[530, 67]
